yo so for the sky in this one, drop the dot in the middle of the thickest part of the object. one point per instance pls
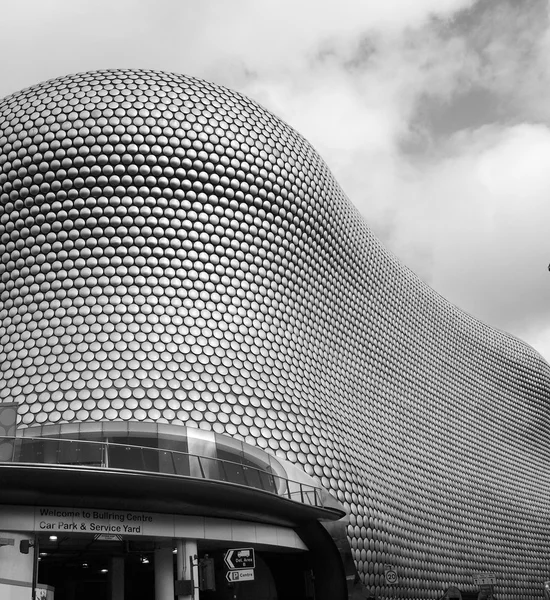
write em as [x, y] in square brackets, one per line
[434, 115]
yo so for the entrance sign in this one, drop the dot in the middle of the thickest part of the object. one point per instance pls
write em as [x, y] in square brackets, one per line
[390, 574]
[68, 520]
[242, 575]
[81, 520]
[108, 537]
[240, 558]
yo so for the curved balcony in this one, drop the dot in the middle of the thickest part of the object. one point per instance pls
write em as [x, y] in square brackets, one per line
[84, 456]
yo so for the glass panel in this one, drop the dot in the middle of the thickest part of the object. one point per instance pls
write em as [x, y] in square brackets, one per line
[210, 468]
[6, 450]
[50, 451]
[89, 454]
[195, 467]
[310, 496]
[202, 444]
[30, 451]
[17, 449]
[233, 473]
[179, 444]
[128, 453]
[281, 486]
[268, 482]
[253, 478]
[68, 452]
[296, 491]
[181, 464]
[142, 454]
[175, 462]
[150, 460]
[125, 457]
[166, 463]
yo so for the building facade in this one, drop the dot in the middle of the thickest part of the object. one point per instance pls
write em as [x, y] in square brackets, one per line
[181, 273]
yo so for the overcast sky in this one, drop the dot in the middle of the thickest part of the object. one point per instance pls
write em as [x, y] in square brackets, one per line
[434, 115]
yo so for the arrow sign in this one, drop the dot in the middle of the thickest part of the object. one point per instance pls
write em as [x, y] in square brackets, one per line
[240, 558]
[242, 575]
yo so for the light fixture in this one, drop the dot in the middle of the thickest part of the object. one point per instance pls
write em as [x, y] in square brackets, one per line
[104, 571]
[175, 551]
[144, 560]
[53, 538]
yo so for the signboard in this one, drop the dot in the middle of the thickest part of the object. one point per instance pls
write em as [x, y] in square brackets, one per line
[108, 537]
[390, 574]
[67, 520]
[240, 558]
[44, 592]
[485, 579]
[81, 520]
[242, 575]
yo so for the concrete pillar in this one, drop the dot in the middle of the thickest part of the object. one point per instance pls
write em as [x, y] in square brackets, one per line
[117, 577]
[70, 590]
[164, 574]
[16, 569]
[188, 549]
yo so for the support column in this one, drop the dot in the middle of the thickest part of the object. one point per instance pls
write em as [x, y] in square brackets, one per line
[187, 549]
[164, 574]
[16, 568]
[117, 577]
[70, 590]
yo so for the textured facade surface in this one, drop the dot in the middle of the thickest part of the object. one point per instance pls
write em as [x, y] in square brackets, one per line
[172, 252]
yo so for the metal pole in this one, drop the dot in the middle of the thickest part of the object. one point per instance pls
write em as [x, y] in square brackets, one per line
[186, 562]
[35, 567]
[106, 457]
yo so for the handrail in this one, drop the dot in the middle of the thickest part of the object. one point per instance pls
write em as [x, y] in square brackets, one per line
[180, 464]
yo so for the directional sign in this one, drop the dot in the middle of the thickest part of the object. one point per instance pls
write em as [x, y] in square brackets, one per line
[485, 579]
[108, 537]
[390, 574]
[242, 575]
[240, 558]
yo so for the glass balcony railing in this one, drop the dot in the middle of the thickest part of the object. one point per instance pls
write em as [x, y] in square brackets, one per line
[108, 455]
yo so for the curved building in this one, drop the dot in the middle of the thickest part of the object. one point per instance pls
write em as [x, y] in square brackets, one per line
[208, 350]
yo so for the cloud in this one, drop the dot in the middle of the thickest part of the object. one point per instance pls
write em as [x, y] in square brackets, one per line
[432, 114]
[464, 205]
[63, 36]
[488, 213]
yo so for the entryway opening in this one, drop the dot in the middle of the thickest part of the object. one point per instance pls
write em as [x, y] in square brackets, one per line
[81, 567]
